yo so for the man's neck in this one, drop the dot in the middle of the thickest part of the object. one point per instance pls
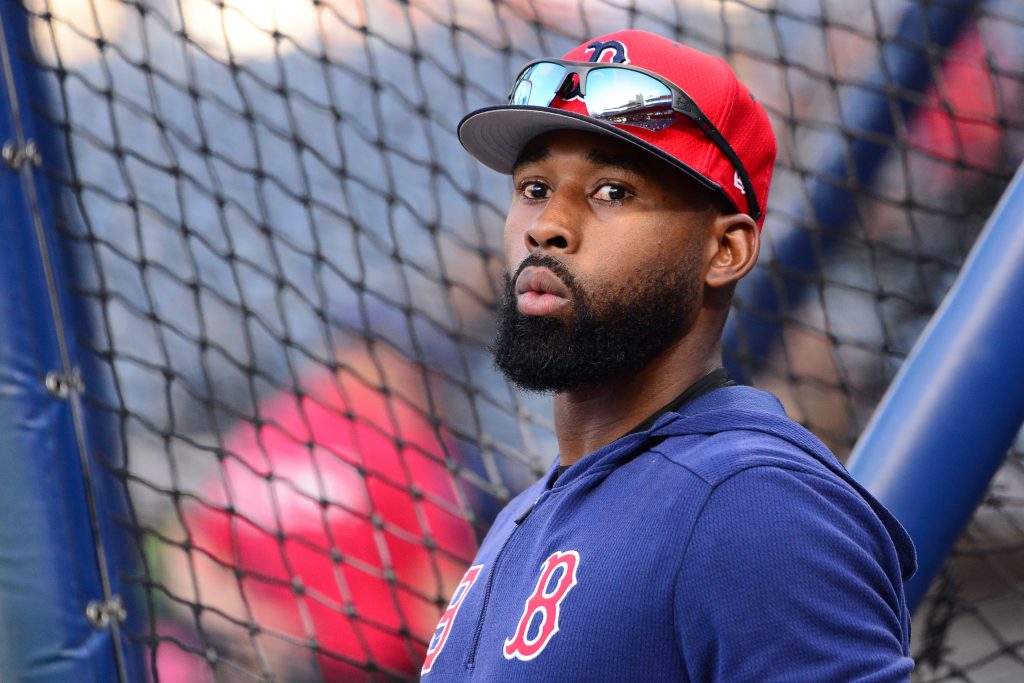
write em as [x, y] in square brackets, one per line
[590, 417]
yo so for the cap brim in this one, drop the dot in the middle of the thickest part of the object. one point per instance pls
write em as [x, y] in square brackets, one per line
[497, 135]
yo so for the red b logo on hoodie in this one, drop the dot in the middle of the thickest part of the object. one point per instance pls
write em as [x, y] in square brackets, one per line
[545, 601]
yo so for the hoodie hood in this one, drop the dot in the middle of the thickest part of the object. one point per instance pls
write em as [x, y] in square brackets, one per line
[739, 408]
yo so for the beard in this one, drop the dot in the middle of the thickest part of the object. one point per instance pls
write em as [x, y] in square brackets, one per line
[608, 334]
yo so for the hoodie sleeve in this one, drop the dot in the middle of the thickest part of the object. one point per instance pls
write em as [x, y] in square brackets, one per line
[789, 575]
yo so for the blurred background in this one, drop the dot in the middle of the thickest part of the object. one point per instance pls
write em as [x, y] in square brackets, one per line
[288, 267]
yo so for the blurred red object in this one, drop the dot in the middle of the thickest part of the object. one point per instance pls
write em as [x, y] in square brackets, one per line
[339, 527]
[959, 120]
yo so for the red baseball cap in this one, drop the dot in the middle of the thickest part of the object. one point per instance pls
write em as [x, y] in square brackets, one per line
[497, 135]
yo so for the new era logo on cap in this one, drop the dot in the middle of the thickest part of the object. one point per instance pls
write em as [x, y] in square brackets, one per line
[496, 135]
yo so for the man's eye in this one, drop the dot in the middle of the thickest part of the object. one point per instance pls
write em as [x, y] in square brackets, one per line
[610, 192]
[535, 190]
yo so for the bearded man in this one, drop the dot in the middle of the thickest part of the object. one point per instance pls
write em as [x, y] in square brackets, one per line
[688, 529]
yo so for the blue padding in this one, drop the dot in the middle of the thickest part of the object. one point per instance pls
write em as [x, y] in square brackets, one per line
[868, 113]
[49, 568]
[944, 427]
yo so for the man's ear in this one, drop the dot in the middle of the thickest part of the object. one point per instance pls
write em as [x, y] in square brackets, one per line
[733, 243]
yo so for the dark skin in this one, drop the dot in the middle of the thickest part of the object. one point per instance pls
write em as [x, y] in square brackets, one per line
[605, 208]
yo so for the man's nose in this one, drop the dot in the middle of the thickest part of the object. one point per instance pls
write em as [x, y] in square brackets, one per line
[556, 228]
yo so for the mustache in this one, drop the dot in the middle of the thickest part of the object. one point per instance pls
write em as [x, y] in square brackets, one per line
[552, 264]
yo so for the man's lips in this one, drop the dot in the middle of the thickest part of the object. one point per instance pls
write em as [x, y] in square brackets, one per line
[540, 292]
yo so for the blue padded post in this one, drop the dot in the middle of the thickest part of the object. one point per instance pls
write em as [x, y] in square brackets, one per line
[944, 427]
[63, 557]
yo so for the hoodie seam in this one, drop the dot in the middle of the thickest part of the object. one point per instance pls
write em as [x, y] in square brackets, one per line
[827, 475]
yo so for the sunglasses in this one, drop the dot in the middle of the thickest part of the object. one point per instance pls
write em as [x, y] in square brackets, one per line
[625, 96]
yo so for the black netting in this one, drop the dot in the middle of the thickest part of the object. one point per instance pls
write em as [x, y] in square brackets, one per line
[291, 265]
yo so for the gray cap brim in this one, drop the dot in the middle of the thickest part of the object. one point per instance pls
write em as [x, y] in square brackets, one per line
[497, 135]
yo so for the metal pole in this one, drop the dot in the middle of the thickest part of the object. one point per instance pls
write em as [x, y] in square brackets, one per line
[944, 427]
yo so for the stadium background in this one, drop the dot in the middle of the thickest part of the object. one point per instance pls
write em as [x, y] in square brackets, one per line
[281, 267]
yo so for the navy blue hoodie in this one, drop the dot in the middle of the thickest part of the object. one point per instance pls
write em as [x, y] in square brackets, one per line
[725, 543]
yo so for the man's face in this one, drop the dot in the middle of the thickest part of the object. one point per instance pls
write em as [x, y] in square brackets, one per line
[604, 247]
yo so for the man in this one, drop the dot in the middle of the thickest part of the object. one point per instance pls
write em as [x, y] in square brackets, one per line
[689, 530]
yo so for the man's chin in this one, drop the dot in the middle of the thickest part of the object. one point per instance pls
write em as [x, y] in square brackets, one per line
[531, 360]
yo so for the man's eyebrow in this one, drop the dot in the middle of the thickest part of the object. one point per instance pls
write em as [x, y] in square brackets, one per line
[531, 154]
[596, 156]
[602, 157]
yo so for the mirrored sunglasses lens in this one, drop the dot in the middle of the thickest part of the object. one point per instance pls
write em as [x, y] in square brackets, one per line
[629, 98]
[537, 86]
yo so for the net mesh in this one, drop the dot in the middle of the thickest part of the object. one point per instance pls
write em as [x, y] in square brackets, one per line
[291, 264]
